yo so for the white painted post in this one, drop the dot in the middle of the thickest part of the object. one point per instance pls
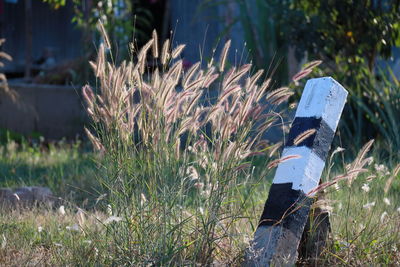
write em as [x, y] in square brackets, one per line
[286, 210]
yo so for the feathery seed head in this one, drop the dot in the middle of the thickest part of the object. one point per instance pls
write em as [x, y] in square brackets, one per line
[165, 53]
[224, 55]
[155, 44]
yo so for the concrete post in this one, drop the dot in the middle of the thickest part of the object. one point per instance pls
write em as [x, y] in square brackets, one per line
[286, 210]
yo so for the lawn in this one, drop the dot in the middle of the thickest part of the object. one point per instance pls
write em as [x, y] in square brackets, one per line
[365, 220]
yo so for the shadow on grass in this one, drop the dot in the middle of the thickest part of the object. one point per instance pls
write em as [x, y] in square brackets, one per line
[71, 176]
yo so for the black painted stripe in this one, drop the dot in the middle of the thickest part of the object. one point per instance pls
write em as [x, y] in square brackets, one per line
[319, 142]
[286, 207]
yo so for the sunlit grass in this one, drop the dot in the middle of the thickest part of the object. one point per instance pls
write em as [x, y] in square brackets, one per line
[364, 220]
[64, 168]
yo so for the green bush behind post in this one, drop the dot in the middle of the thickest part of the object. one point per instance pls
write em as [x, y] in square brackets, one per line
[381, 106]
[348, 36]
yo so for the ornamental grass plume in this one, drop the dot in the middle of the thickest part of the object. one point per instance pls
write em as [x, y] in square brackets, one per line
[162, 137]
[167, 103]
[3, 79]
[352, 170]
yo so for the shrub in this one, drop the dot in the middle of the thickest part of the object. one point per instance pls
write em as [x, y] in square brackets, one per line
[381, 104]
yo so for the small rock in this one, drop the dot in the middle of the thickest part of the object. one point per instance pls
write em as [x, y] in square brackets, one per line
[7, 197]
[42, 194]
[27, 196]
[5, 192]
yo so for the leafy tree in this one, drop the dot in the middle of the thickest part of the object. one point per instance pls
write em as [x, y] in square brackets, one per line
[349, 31]
[56, 4]
[123, 20]
[348, 35]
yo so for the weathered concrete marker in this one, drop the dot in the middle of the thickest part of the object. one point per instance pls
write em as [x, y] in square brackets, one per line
[286, 210]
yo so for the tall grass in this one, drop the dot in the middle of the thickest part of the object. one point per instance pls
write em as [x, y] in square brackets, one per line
[365, 219]
[174, 159]
[381, 105]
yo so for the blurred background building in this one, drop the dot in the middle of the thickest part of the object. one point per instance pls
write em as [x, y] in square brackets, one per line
[51, 42]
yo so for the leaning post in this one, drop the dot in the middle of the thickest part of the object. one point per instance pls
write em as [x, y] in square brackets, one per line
[286, 210]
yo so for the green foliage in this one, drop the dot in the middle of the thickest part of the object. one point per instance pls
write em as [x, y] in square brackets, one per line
[344, 31]
[348, 36]
[56, 4]
[123, 20]
[372, 109]
[381, 104]
[262, 34]
[345, 34]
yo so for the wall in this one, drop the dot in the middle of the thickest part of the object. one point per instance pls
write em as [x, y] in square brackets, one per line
[52, 111]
